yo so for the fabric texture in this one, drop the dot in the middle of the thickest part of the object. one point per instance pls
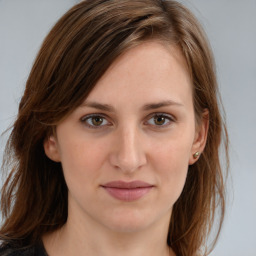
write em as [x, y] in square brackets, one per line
[35, 250]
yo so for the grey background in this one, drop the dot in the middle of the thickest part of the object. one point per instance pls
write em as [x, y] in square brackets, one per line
[231, 27]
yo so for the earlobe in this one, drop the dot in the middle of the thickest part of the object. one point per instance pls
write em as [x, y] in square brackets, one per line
[200, 138]
[51, 148]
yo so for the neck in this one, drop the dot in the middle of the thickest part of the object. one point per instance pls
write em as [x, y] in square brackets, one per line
[88, 238]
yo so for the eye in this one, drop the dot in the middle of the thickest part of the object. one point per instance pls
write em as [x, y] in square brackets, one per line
[160, 120]
[95, 121]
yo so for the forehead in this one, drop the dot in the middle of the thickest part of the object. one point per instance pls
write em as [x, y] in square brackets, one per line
[152, 70]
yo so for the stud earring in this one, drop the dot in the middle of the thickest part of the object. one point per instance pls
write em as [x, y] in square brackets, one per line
[196, 155]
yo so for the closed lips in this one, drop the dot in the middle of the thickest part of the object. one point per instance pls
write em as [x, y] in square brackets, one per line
[127, 191]
[127, 185]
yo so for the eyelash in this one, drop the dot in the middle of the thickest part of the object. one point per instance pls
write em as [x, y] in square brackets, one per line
[90, 117]
[167, 118]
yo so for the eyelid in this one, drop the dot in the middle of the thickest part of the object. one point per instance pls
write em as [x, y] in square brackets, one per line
[88, 116]
[170, 117]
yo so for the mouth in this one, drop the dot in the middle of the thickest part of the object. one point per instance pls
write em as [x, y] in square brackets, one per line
[127, 191]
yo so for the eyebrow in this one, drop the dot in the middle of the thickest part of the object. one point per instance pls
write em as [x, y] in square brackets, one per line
[96, 105]
[161, 104]
[150, 106]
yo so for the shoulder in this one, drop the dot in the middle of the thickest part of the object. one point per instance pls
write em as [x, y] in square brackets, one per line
[35, 250]
[9, 251]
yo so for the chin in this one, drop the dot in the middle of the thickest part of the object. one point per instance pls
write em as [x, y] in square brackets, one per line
[128, 221]
[130, 226]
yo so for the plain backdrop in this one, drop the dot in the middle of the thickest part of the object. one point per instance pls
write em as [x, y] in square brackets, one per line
[231, 28]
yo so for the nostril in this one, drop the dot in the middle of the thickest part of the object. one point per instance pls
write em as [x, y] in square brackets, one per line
[128, 162]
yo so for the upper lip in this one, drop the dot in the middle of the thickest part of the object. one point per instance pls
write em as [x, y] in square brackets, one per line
[127, 185]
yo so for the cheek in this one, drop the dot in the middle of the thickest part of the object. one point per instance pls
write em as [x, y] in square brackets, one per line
[173, 165]
[172, 173]
[173, 151]
[81, 159]
[171, 160]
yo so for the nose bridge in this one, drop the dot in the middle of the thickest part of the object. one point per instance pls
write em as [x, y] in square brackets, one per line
[129, 154]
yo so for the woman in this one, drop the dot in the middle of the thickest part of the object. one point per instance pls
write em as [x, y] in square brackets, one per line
[115, 150]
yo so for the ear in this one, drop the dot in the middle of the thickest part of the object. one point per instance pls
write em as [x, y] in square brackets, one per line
[51, 148]
[200, 137]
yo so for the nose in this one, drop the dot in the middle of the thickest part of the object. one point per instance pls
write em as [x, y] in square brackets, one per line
[128, 154]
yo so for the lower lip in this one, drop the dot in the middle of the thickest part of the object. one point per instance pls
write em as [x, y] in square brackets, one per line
[126, 194]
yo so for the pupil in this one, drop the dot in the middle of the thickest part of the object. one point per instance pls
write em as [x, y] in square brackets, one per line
[97, 120]
[159, 120]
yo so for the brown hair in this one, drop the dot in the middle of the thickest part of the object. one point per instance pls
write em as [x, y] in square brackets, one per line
[75, 54]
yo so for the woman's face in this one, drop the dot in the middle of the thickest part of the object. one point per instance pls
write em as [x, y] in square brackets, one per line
[125, 151]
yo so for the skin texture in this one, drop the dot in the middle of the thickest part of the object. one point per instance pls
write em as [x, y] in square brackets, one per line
[148, 133]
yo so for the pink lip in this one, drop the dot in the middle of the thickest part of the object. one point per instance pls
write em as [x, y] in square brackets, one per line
[127, 191]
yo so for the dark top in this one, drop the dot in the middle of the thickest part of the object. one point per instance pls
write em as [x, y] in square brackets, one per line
[35, 250]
